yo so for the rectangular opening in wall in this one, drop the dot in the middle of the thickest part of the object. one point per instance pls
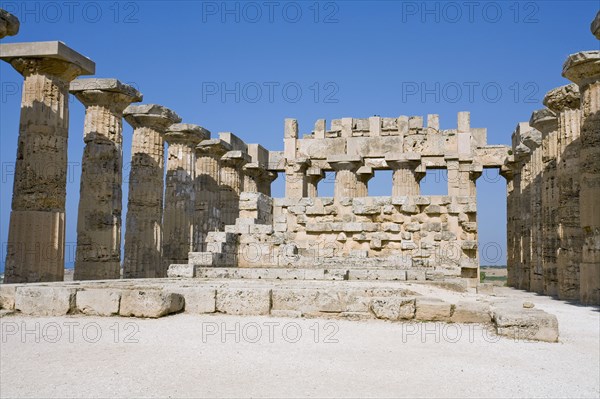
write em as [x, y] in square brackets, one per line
[491, 219]
[380, 184]
[435, 182]
[278, 186]
[325, 187]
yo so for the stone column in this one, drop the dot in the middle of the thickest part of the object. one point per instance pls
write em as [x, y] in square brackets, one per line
[565, 101]
[143, 233]
[313, 176]
[98, 253]
[347, 184]
[405, 177]
[36, 235]
[9, 24]
[257, 179]
[232, 183]
[546, 122]
[363, 175]
[208, 181]
[296, 185]
[180, 197]
[507, 171]
[584, 69]
[265, 180]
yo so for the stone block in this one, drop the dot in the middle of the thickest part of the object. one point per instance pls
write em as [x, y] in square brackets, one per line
[526, 324]
[54, 49]
[98, 302]
[198, 300]
[471, 312]
[393, 308]
[181, 270]
[7, 296]
[418, 275]
[307, 300]
[244, 301]
[433, 309]
[151, 303]
[45, 301]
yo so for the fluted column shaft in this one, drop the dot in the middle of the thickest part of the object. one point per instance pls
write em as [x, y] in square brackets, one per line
[98, 253]
[36, 236]
[232, 183]
[405, 179]
[208, 179]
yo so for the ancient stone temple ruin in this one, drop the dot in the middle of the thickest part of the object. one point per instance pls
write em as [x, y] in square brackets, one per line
[200, 203]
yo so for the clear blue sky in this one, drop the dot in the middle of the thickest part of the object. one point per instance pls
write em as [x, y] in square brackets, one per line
[310, 60]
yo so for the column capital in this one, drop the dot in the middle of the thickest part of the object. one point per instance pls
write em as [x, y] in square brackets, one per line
[345, 162]
[186, 133]
[404, 160]
[9, 24]
[544, 120]
[235, 158]
[213, 147]
[583, 67]
[46, 58]
[151, 116]
[563, 97]
[298, 165]
[595, 27]
[111, 93]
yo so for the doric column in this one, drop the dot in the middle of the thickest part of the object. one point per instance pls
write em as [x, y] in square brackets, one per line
[565, 101]
[507, 171]
[257, 179]
[546, 122]
[295, 178]
[98, 253]
[36, 234]
[9, 24]
[232, 183]
[584, 69]
[363, 175]
[143, 233]
[180, 197]
[313, 176]
[265, 180]
[208, 190]
[406, 175]
[347, 184]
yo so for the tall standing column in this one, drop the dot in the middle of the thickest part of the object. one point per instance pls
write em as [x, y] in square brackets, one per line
[232, 183]
[296, 185]
[98, 253]
[36, 234]
[208, 181]
[347, 184]
[405, 177]
[143, 231]
[546, 122]
[180, 197]
[584, 69]
[565, 101]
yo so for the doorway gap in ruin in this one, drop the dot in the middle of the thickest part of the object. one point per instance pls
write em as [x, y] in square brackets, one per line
[491, 218]
[380, 185]
[326, 186]
[435, 182]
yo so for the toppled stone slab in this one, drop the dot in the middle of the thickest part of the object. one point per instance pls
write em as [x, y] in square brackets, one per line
[198, 300]
[471, 312]
[526, 324]
[244, 301]
[98, 302]
[45, 301]
[151, 303]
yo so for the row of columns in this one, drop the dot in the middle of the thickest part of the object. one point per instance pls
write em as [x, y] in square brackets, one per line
[554, 189]
[167, 216]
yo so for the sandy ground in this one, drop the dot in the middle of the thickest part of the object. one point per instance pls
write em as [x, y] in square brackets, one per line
[228, 356]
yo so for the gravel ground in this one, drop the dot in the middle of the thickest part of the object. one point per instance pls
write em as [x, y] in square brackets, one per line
[229, 356]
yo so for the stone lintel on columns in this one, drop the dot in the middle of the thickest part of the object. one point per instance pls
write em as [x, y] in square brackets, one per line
[315, 171]
[583, 67]
[365, 171]
[186, 133]
[236, 143]
[345, 162]
[563, 97]
[55, 50]
[235, 158]
[9, 24]
[152, 116]
[215, 147]
[595, 26]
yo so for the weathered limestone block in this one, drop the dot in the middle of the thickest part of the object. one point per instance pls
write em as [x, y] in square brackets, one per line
[98, 302]
[199, 300]
[584, 69]
[143, 234]
[7, 296]
[207, 190]
[9, 24]
[525, 324]
[151, 303]
[244, 301]
[432, 309]
[393, 308]
[36, 235]
[307, 300]
[45, 301]
[471, 312]
[180, 192]
[565, 101]
[98, 253]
